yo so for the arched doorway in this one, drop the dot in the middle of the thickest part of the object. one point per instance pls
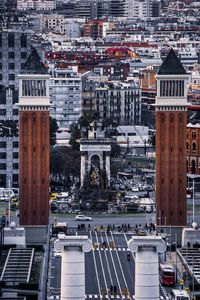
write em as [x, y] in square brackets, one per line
[95, 170]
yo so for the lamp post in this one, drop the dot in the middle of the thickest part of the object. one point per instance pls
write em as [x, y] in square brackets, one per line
[193, 177]
[9, 201]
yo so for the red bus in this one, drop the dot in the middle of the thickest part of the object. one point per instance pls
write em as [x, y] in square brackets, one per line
[167, 275]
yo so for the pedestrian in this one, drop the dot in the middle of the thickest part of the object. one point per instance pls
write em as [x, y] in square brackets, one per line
[111, 289]
[115, 289]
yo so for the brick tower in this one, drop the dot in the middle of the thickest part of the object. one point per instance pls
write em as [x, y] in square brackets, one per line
[171, 127]
[34, 106]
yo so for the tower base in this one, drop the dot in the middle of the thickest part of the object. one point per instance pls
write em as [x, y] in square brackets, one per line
[36, 235]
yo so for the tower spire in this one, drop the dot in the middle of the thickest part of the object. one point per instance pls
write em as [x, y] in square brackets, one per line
[171, 65]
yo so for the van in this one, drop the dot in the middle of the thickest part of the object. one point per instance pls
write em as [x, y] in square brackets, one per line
[6, 194]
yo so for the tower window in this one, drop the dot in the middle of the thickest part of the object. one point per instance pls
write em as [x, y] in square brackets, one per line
[193, 146]
[193, 134]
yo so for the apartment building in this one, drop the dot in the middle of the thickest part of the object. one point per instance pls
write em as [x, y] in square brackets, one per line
[15, 45]
[65, 96]
[120, 101]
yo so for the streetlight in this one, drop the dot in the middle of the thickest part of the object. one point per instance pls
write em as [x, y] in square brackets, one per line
[193, 177]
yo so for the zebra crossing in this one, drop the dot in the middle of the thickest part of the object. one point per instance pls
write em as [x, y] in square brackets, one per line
[124, 297]
[112, 249]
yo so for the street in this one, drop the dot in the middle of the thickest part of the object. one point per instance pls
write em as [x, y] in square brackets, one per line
[106, 267]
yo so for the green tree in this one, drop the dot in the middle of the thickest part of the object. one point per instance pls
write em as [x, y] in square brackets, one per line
[53, 129]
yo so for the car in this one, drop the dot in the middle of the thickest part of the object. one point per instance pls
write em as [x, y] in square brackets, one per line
[82, 218]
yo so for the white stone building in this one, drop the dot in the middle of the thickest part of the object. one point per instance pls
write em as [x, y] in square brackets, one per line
[36, 4]
[65, 93]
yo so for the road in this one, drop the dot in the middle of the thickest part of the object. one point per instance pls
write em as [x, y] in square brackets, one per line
[102, 220]
[104, 267]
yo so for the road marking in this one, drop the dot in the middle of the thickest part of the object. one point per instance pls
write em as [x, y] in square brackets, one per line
[95, 265]
[121, 268]
[102, 264]
[113, 263]
[107, 261]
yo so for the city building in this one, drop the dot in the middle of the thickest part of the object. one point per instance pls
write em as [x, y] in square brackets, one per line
[65, 94]
[193, 148]
[34, 104]
[15, 45]
[148, 95]
[44, 5]
[119, 101]
[171, 127]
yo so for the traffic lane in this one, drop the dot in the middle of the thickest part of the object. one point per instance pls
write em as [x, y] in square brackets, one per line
[102, 221]
[100, 275]
[56, 272]
[91, 273]
[119, 240]
[129, 270]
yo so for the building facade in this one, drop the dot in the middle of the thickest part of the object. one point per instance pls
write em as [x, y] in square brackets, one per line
[65, 94]
[119, 101]
[193, 148]
[15, 45]
[171, 126]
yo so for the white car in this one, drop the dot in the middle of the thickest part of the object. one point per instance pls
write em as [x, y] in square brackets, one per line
[82, 218]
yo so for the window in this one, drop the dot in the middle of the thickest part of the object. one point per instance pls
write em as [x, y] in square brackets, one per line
[11, 76]
[11, 66]
[15, 166]
[0, 66]
[23, 54]
[194, 134]
[15, 180]
[11, 54]
[2, 94]
[2, 112]
[2, 155]
[193, 146]
[11, 40]
[15, 155]
[23, 40]
[2, 166]
[15, 144]
[15, 112]
[2, 144]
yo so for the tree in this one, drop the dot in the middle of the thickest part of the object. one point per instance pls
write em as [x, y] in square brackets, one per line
[64, 163]
[53, 129]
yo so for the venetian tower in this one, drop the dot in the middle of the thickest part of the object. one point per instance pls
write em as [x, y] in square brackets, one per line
[171, 126]
[34, 106]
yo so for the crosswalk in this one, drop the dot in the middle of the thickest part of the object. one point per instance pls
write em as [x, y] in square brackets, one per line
[112, 249]
[92, 296]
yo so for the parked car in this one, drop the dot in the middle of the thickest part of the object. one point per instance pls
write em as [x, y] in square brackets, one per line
[82, 218]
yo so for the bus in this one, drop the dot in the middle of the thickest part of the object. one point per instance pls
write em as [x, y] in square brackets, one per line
[167, 275]
[179, 295]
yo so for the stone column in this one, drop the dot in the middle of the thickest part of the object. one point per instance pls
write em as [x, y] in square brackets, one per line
[108, 169]
[146, 250]
[73, 265]
[83, 162]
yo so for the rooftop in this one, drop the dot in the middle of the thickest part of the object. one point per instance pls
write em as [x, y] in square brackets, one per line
[34, 64]
[171, 65]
